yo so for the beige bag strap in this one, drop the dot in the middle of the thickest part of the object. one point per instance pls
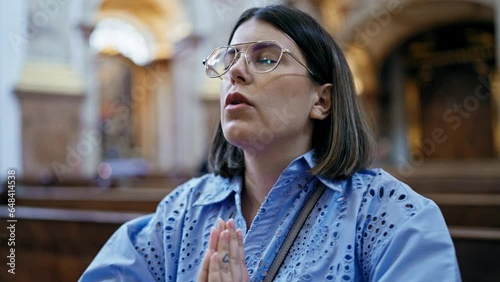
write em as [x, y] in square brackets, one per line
[294, 231]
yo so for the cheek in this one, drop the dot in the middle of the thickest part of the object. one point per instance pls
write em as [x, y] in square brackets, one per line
[291, 96]
[222, 95]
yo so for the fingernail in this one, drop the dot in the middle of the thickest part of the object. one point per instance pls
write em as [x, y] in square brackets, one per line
[220, 224]
[239, 235]
[231, 224]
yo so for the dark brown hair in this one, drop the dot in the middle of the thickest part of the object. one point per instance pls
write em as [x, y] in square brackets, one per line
[343, 142]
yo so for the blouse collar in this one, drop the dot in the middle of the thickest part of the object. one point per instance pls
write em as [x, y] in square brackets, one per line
[219, 189]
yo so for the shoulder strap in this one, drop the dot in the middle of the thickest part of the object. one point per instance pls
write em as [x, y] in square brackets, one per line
[294, 231]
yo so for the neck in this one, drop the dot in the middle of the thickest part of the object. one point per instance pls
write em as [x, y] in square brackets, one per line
[263, 169]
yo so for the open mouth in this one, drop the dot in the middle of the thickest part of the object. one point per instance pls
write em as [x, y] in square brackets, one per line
[236, 98]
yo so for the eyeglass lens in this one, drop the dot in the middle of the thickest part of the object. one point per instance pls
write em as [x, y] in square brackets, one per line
[261, 57]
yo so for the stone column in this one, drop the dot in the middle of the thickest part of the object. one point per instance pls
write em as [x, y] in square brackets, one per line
[90, 105]
[398, 112]
[166, 123]
[190, 129]
[50, 94]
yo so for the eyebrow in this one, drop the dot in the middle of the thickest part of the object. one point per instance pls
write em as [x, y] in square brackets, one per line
[249, 42]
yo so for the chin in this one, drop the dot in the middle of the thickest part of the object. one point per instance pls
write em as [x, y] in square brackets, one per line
[239, 136]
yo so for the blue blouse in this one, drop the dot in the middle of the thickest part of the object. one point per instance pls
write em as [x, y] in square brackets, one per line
[370, 227]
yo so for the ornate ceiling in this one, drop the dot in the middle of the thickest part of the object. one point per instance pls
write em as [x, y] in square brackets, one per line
[164, 21]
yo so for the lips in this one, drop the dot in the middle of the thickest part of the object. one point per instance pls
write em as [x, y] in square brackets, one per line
[236, 98]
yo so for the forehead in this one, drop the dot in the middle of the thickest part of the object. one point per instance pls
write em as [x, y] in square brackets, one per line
[256, 30]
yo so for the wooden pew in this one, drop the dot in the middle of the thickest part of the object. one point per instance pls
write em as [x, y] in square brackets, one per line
[468, 194]
[478, 252]
[91, 198]
[56, 244]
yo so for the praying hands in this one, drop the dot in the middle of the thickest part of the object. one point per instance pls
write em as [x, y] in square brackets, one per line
[224, 259]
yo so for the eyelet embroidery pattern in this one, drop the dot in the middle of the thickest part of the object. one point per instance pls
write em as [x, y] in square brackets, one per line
[257, 264]
[328, 246]
[154, 249]
[316, 242]
[379, 226]
[166, 229]
[154, 257]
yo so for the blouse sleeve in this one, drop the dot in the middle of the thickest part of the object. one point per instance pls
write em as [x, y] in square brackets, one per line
[135, 252]
[420, 250]
[118, 260]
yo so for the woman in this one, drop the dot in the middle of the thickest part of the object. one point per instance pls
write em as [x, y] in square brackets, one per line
[290, 125]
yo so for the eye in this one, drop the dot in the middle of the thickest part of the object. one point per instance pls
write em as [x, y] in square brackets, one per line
[229, 56]
[264, 55]
[266, 61]
[265, 58]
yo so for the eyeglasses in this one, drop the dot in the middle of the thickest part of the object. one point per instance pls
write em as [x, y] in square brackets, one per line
[260, 56]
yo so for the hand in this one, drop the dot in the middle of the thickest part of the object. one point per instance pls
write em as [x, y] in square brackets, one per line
[225, 258]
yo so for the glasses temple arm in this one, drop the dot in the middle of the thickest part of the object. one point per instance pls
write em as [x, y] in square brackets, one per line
[298, 61]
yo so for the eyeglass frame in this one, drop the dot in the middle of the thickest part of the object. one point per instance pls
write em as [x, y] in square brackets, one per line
[283, 50]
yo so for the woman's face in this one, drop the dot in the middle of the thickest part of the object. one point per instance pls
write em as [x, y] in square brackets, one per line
[263, 111]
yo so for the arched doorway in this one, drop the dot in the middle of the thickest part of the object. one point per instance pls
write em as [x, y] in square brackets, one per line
[446, 75]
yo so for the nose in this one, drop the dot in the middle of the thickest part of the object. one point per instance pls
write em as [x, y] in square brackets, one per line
[238, 71]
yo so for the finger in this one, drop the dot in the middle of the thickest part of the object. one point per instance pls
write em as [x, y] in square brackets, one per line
[224, 258]
[230, 224]
[203, 275]
[241, 249]
[212, 247]
[212, 241]
[239, 235]
[234, 251]
[243, 267]
[221, 225]
[214, 272]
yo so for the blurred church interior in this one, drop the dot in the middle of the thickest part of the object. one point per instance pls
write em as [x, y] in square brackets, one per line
[105, 108]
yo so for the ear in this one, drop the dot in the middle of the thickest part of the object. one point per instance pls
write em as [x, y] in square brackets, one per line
[323, 102]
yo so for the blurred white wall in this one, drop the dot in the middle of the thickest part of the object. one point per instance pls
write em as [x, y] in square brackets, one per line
[13, 43]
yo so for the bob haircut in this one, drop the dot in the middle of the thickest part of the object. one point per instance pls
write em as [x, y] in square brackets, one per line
[342, 142]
